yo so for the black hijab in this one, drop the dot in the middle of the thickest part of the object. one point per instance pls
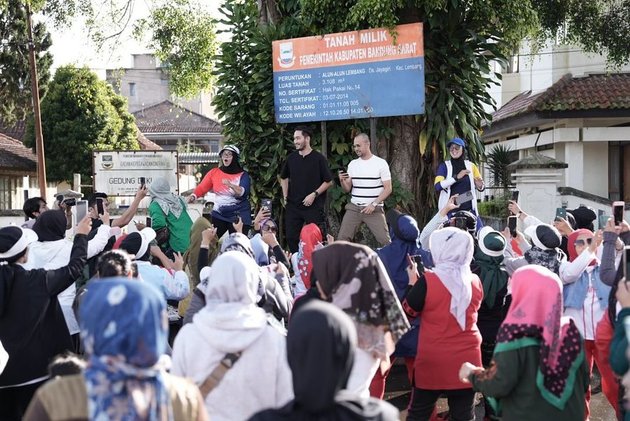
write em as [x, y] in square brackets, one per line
[51, 225]
[234, 167]
[321, 341]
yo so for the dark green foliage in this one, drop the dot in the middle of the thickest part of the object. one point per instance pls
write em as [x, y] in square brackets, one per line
[15, 79]
[497, 159]
[80, 114]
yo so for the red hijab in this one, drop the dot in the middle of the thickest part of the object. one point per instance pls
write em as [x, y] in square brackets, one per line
[310, 238]
[571, 244]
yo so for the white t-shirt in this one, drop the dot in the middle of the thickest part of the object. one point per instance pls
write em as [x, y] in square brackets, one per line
[367, 179]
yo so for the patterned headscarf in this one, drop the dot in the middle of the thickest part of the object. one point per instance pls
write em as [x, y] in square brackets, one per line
[535, 317]
[353, 277]
[310, 240]
[160, 191]
[124, 328]
[238, 242]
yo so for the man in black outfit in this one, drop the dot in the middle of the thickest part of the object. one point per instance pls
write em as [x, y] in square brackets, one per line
[305, 178]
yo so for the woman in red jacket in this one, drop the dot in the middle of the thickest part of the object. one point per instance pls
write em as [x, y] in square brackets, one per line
[446, 299]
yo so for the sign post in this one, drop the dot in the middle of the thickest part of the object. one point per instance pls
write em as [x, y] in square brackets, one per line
[360, 74]
[117, 173]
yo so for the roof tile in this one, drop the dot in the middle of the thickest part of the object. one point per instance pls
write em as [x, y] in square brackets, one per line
[15, 156]
[592, 92]
[167, 117]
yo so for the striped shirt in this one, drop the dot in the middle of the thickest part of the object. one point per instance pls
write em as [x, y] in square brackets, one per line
[367, 179]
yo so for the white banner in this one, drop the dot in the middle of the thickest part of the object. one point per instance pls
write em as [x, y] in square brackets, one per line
[118, 173]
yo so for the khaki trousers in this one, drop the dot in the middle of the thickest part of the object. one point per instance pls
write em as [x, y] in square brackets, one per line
[375, 222]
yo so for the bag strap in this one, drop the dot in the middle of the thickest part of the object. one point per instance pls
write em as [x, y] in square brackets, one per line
[218, 373]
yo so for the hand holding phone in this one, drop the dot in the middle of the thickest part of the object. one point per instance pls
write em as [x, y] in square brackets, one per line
[515, 196]
[266, 204]
[143, 182]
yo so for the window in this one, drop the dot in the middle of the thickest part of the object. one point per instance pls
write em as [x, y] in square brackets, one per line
[132, 89]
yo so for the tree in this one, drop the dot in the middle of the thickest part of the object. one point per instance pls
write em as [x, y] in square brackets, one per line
[81, 114]
[184, 39]
[462, 38]
[15, 79]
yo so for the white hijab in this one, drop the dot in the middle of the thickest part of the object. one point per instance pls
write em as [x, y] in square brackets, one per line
[231, 320]
[452, 251]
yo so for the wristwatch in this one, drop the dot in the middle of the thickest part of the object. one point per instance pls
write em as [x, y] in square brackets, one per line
[375, 204]
[316, 193]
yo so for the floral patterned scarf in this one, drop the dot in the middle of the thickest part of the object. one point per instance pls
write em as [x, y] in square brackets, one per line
[124, 328]
[535, 318]
[354, 279]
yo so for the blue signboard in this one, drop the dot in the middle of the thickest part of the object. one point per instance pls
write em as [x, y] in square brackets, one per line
[350, 75]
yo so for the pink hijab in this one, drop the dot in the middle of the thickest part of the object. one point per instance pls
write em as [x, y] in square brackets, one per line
[535, 317]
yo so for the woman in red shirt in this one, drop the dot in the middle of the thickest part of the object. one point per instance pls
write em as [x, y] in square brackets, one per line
[230, 183]
[446, 299]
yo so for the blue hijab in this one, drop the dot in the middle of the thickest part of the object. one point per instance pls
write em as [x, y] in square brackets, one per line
[124, 329]
[404, 232]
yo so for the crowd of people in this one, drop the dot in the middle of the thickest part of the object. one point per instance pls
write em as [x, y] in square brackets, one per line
[212, 319]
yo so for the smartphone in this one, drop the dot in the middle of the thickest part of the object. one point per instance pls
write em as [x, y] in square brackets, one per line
[561, 213]
[464, 197]
[266, 203]
[603, 220]
[515, 196]
[618, 209]
[625, 261]
[143, 181]
[149, 221]
[512, 220]
[81, 210]
[418, 259]
[99, 206]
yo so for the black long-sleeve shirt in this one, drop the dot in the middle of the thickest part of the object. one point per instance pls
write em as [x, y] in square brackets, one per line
[32, 326]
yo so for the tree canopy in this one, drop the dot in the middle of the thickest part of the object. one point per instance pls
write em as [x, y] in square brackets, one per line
[81, 114]
[15, 78]
[462, 39]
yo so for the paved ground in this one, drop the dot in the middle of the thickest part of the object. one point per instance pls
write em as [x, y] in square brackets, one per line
[398, 394]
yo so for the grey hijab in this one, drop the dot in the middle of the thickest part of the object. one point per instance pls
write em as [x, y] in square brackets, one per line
[160, 191]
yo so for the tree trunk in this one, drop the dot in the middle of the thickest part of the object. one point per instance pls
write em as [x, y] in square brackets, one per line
[414, 171]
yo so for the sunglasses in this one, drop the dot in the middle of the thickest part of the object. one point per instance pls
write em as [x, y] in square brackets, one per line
[583, 242]
[269, 228]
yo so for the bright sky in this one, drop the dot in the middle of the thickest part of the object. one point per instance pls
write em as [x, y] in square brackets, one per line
[72, 46]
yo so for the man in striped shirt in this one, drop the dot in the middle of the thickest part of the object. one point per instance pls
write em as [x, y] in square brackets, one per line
[369, 181]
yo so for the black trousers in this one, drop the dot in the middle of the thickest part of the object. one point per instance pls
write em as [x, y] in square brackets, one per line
[295, 218]
[223, 226]
[15, 400]
[460, 404]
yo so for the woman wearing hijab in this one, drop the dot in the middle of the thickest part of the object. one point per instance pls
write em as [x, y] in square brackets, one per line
[538, 371]
[458, 176]
[488, 265]
[446, 299]
[172, 283]
[586, 302]
[32, 326]
[124, 329]
[168, 213]
[321, 342]
[266, 245]
[404, 233]
[311, 239]
[353, 278]
[232, 326]
[230, 183]
[53, 250]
